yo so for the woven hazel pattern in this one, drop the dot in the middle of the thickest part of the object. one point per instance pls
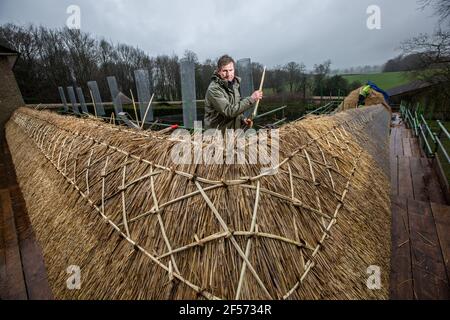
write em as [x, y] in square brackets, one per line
[221, 231]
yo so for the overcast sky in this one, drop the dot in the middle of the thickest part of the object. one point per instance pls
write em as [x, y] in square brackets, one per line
[270, 32]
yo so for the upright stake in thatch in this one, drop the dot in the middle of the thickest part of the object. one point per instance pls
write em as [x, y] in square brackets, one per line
[146, 110]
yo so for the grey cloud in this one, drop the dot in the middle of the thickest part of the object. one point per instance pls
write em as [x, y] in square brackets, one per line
[271, 32]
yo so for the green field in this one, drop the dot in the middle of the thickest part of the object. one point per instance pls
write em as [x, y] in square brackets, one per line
[385, 80]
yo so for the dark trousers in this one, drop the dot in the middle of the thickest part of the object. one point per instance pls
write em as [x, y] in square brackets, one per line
[361, 100]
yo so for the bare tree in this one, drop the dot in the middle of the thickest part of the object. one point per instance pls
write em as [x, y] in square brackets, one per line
[321, 71]
[441, 8]
[81, 48]
[434, 55]
[295, 76]
[257, 70]
[191, 56]
[203, 77]
[275, 79]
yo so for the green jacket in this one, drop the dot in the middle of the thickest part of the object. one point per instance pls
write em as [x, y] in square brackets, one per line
[224, 106]
[365, 91]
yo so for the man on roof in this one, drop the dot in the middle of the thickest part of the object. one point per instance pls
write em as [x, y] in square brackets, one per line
[364, 92]
[224, 106]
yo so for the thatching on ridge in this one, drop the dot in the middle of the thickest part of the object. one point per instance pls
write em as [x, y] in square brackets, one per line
[351, 101]
[111, 201]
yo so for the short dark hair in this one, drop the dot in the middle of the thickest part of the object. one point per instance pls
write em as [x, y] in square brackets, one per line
[223, 61]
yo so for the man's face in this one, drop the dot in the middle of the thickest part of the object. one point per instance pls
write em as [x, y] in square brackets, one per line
[227, 72]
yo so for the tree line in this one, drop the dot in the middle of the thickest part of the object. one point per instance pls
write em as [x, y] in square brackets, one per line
[64, 57]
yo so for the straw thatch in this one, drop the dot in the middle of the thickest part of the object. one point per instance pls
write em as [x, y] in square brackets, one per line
[351, 101]
[111, 201]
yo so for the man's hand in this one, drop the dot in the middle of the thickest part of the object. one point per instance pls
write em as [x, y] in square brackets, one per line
[248, 122]
[257, 95]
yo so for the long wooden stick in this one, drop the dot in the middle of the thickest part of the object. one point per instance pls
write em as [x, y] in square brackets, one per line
[134, 106]
[145, 114]
[93, 102]
[255, 112]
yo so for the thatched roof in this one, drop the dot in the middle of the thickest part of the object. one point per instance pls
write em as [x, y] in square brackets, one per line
[111, 201]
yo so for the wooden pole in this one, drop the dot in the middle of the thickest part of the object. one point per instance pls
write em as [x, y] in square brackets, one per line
[255, 112]
[134, 106]
[145, 114]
